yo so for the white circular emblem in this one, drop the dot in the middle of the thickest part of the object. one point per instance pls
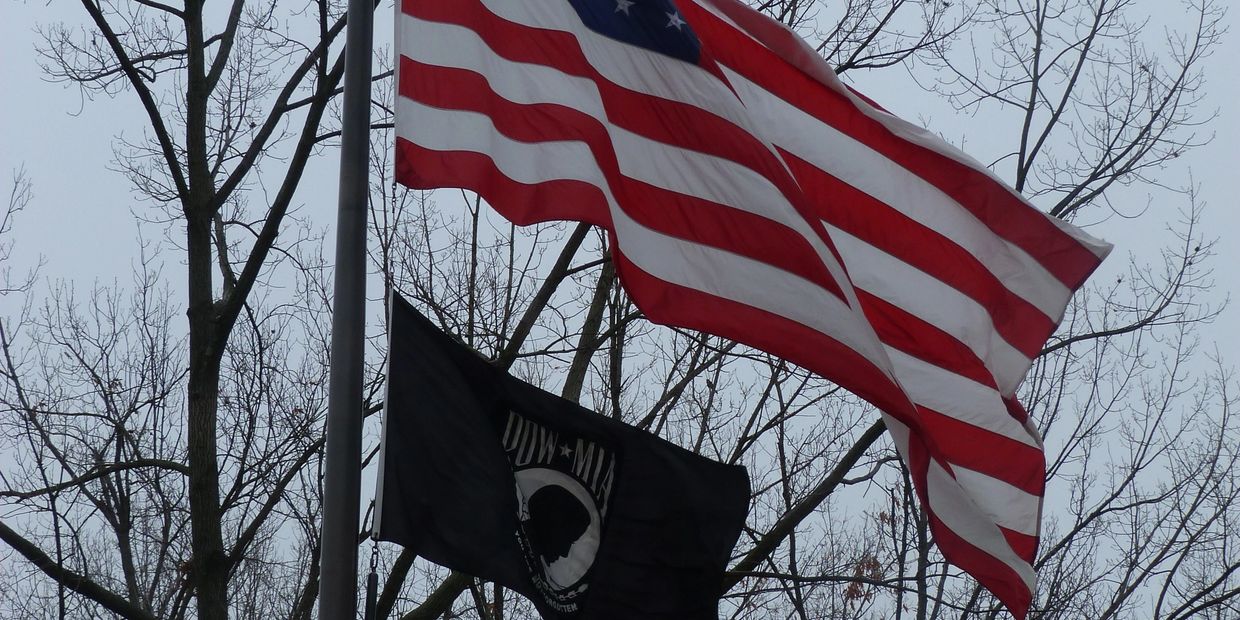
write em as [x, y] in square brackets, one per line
[562, 522]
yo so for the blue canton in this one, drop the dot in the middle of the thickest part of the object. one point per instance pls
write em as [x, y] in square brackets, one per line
[653, 24]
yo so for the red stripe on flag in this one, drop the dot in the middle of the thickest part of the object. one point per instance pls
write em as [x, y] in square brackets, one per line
[905, 332]
[671, 304]
[664, 120]
[524, 204]
[1024, 545]
[857, 213]
[672, 213]
[996, 206]
[999, 578]
[671, 122]
[724, 227]
[1002, 458]
[1015, 409]
[661, 301]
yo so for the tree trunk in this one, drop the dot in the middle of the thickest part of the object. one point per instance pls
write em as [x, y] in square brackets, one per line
[208, 567]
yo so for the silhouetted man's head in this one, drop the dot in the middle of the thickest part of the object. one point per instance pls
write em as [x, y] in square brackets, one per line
[557, 520]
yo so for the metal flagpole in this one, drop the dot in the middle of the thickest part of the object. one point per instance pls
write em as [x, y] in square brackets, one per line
[342, 477]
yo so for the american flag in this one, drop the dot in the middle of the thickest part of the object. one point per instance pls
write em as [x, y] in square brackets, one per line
[750, 194]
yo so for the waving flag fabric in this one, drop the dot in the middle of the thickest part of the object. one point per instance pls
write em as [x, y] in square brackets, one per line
[590, 518]
[750, 194]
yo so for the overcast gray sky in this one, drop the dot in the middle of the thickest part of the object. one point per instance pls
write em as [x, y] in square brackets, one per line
[81, 219]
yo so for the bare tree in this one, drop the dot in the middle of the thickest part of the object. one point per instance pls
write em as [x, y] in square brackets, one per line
[226, 94]
[169, 469]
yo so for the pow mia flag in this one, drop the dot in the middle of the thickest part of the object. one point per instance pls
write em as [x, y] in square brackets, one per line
[589, 518]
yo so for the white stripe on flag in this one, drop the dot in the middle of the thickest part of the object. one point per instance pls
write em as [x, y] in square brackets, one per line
[661, 165]
[957, 397]
[931, 300]
[953, 506]
[1009, 506]
[457, 47]
[628, 66]
[853, 162]
[691, 265]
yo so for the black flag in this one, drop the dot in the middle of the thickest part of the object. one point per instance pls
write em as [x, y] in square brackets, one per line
[588, 517]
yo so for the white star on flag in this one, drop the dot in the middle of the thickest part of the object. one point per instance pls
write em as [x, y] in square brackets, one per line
[674, 20]
[622, 6]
